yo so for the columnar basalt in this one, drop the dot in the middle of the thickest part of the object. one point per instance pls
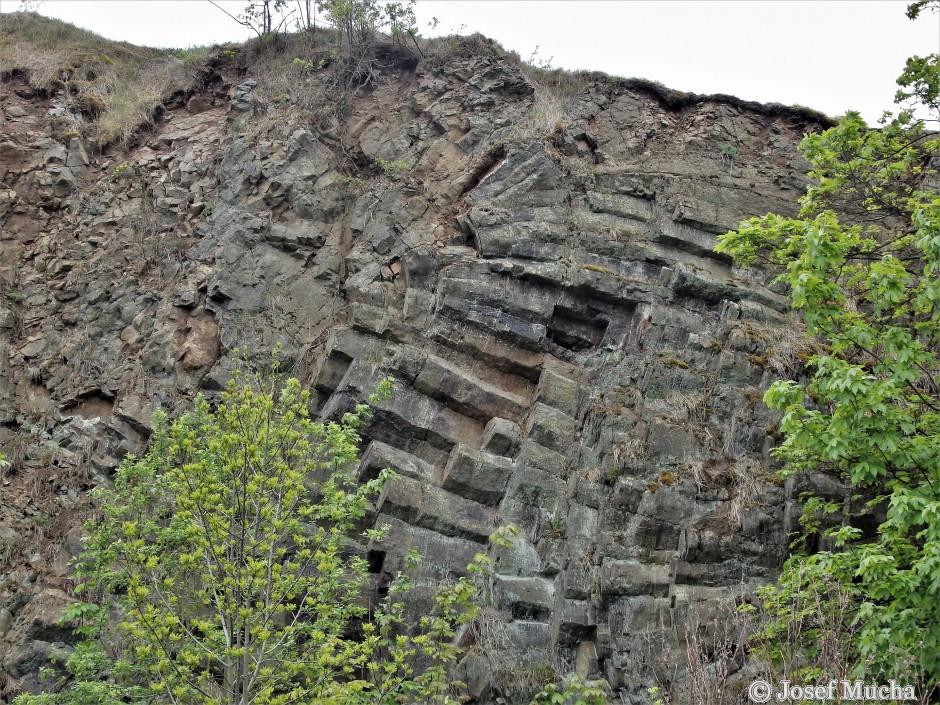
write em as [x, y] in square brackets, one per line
[569, 353]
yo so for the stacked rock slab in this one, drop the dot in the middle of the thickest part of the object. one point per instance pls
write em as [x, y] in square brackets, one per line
[569, 354]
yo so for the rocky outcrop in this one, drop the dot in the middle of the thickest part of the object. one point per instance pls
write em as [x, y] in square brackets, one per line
[569, 353]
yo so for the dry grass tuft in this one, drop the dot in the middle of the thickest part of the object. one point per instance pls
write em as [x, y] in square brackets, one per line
[789, 347]
[632, 449]
[746, 488]
[115, 86]
[439, 51]
[291, 72]
[556, 91]
[685, 406]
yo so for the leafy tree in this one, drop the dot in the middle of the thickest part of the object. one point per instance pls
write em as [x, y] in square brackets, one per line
[220, 571]
[259, 16]
[862, 264]
[358, 24]
[306, 13]
[358, 21]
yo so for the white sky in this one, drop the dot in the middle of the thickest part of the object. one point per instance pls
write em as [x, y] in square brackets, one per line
[829, 55]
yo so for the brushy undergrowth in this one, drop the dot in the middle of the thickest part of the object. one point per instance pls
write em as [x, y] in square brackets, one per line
[290, 67]
[556, 92]
[116, 87]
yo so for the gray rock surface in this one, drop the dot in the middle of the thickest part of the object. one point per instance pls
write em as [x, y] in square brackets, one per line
[570, 355]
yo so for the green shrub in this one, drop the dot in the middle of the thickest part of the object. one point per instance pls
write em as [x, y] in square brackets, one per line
[219, 570]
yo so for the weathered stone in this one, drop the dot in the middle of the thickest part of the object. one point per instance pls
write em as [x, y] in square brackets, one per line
[530, 485]
[532, 599]
[585, 664]
[572, 622]
[628, 578]
[532, 454]
[621, 508]
[438, 552]
[198, 104]
[436, 509]
[6, 621]
[476, 475]
[508, 328]
[623, 206]
[552, 557]
[550, 427]
[244, 103]
[465, 392]
[671, 442]
[558, 392]
[380, 456]
[501, 437]
[77, 158]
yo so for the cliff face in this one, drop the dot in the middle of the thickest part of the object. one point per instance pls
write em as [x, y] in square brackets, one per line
[531, 263]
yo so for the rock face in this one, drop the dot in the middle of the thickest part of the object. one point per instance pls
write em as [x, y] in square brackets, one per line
[570, 355]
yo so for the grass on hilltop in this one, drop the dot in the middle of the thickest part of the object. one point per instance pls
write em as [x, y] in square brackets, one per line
[116, 86]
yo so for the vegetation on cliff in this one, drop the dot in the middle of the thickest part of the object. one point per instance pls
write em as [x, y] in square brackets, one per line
[862, 264]
[220, 569]
[116, 87]
[642, 500]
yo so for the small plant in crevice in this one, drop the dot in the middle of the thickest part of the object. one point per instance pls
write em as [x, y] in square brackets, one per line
[571, 691]
[591, 473]
[557, 528]
[729, 154]
[120, 171]
[352, 184]
[673, 361]
[387, 167]
[657, 695]
[667, 478]
[305, 66]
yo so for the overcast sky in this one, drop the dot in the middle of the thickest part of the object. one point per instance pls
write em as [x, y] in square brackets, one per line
[829, 55]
